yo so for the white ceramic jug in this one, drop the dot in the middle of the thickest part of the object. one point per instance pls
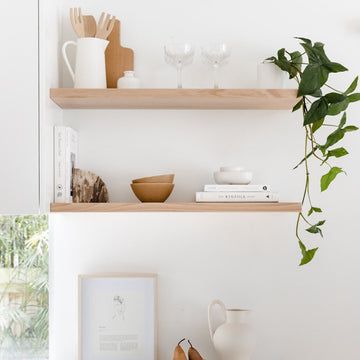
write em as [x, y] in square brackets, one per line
[234, 338]
[90, 70]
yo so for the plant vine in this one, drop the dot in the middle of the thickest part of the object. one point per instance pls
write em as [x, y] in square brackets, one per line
[316, 106]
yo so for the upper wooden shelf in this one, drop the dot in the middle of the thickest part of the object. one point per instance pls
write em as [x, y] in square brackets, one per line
[256, 99]
[176, 207]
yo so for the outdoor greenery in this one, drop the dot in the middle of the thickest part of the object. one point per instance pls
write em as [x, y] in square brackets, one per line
[319, 103]
[24, 288]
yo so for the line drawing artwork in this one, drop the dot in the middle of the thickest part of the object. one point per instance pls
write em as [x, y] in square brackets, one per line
[119, 308]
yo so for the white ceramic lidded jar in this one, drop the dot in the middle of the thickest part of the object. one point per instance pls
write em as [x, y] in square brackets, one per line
[128, 81]
[270, 76]
[234, 339]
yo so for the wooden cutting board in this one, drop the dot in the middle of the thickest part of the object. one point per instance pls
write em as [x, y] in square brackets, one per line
[118, 58]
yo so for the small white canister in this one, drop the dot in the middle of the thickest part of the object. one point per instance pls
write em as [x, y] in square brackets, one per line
[269, 76]
[128, 81]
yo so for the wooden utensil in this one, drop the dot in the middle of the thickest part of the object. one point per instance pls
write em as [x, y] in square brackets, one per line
[118, 58]
[89, 25]
[105, 26]
[77, 21]
[156, 179]
[152, 192]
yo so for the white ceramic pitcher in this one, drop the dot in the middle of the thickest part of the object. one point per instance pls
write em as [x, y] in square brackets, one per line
[234, 338]
[90, 70]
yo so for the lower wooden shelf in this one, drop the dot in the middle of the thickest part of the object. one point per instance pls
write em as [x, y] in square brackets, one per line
[177, 207]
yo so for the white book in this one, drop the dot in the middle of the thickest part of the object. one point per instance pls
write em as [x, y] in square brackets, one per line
[232, 196]
[59, 164]
[65, 159]
[245, 188]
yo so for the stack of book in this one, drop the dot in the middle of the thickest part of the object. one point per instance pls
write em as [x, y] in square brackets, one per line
[237, 193]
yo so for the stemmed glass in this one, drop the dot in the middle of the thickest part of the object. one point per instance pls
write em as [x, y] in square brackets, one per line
[216, 55]
[179, 55]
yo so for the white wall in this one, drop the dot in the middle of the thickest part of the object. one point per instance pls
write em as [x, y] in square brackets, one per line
[245, 259]
[19, 180]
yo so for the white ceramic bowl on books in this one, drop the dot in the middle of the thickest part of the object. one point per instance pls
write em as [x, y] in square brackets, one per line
[233, 177]
[231, 168]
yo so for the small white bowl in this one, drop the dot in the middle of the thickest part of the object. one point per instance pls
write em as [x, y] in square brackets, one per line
[233, 177]
[231, 168]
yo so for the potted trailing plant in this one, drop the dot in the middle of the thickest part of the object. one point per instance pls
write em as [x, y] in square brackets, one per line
[319, 103]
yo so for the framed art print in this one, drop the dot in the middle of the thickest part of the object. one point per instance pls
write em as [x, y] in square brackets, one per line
[117, 317]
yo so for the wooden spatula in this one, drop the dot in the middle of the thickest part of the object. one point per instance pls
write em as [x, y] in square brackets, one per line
[118, 58]
[77, 22]
[105, 26]
[89, 25]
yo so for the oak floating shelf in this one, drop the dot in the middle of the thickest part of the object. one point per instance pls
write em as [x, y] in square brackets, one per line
[177, 207]
[246, 99]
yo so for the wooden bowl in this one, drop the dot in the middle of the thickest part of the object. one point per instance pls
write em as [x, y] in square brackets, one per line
[152, 192]
[169, 178]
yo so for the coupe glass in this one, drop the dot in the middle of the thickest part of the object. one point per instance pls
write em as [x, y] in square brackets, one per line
[216, 55]
[179, 55]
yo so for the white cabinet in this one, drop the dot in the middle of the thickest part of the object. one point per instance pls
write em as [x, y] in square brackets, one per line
[19, 104]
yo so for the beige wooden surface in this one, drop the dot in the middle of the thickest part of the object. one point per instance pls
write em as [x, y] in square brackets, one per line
[177, 207]
[257, 99]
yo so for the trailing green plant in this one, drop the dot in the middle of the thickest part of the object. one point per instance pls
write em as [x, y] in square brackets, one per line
[319, 103]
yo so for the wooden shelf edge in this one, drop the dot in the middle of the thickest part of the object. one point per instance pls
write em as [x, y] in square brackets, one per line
[246, 99]
[177, 207]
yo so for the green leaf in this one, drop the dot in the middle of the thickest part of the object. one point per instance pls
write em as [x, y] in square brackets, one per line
[307, 255]
[350, 128]
[317, 125]
[335, 136]
[318, 49]
[343, 121]
[337, 108]
[296, 60]
[317, 93]
[284, 64]
[318, 111]
[314, 210]
[352, 87]
[305, 40]
[338, 103]
[334, 97]
[335, 67]
[338, 152]
[271, 59]
[311, 53]
[315, 229]
[298, 105]
[354, 97]
[313, 78]
[328, 178]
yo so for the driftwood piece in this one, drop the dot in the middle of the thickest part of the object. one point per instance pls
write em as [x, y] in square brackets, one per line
[87, 187]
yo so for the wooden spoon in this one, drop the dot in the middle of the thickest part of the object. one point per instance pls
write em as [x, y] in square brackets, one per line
[105, 26]
[77, 22]
[89, 26]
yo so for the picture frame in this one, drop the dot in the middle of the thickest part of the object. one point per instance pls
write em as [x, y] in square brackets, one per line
[117, 316]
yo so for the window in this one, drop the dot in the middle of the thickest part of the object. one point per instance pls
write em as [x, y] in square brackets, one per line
[23, 287]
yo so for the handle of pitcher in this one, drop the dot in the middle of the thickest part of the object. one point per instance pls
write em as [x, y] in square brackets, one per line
[210, 320]
[71, 71]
